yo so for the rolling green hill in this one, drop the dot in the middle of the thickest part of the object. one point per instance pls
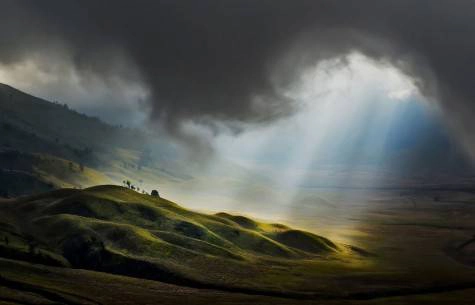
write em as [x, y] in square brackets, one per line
[117, 230]
[52, 246]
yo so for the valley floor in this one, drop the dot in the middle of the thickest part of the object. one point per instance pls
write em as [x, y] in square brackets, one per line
[413, 236]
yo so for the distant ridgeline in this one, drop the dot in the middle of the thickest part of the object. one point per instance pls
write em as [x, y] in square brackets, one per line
[46, 145]
[32, 124]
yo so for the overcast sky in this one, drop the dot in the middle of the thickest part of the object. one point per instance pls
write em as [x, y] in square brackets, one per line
[270, 89]
[234, 60]
[207, 70]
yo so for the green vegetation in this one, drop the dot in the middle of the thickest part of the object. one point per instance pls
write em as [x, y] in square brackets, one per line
[118, 230]
[23, 283]
[22, 173]
[46, 145]
[418, 247]
[114, 229]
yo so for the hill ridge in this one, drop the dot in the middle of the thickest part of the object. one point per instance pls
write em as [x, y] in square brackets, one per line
[114, 229]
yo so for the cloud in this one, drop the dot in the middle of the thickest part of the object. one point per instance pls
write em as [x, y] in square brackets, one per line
[234, 60]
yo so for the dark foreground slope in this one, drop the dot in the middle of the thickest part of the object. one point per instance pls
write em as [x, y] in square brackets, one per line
[117, 230]
[175, 256]
[24, 283]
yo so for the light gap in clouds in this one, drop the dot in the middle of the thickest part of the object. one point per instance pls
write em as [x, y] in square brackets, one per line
[333, 98]
[345, 112]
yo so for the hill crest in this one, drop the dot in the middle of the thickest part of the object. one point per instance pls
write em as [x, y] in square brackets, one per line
[114, 229]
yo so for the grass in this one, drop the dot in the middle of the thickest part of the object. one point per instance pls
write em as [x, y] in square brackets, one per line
[25, 173]
[118, 231]
[114, 229]
[25, 283]
[66, 174]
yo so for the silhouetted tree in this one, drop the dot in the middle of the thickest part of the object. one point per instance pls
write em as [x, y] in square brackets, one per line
[154, 193]
[85, 251]
[71, 166]
[128, 183]
[81, 167]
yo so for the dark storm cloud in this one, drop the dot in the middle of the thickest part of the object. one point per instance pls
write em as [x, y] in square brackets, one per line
[231, 60]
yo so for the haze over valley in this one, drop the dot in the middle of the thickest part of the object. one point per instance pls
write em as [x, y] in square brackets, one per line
[237, 152]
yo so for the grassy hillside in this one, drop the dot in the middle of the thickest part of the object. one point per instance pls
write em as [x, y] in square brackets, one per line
[24, 283]
[117, 230]
[54, 123]
[24, 173]
[37, 130]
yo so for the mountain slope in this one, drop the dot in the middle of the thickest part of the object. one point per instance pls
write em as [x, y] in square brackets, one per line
[53, 123]
[37, 172]
[117, 230]
[35, 130]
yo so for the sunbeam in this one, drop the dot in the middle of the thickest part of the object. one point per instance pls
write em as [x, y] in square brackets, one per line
[336, 139]
[237, 152]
